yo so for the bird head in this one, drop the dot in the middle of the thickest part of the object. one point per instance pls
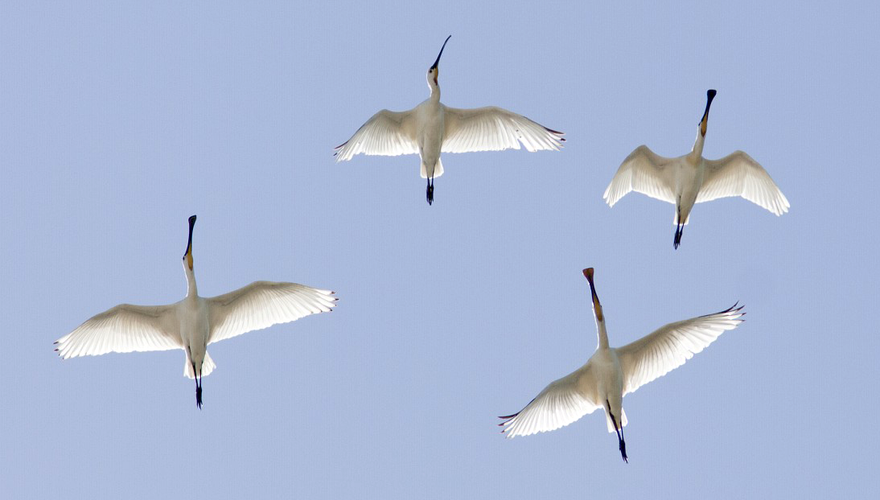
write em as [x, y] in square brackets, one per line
[710, 94]
[188, 256]
[434, 70]
[597, 307]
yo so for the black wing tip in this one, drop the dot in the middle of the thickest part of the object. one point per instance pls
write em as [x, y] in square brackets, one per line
[735, 308]
[507, 417]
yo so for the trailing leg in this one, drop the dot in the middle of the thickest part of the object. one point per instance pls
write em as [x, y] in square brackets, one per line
[619, 431]
[198, 380]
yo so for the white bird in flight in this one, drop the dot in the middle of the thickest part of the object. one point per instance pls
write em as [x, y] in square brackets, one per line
[194, 322]
[691, 179]
[612, 373]
[431, 128]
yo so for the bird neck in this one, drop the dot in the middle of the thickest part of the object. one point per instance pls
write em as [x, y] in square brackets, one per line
[603, 334]
[697, 151]
[435, 89]
[597, 310]
[191, 288]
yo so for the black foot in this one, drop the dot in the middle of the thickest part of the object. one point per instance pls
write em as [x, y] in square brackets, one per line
[430, 194]
[677, 241]
[199, 397]
[623, 450]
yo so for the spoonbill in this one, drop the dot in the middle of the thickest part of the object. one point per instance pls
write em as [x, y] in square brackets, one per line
[431, 128]
[194, 322]
[691, 179]
[611, 373]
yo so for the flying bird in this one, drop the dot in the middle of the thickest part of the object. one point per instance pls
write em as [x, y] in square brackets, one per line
[195, 322]
[611, 373]
[691, 179]
[432, 128]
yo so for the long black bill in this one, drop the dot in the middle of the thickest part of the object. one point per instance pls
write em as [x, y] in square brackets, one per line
[192, 223]
[710, 94]
[597, 306]
[441, 53]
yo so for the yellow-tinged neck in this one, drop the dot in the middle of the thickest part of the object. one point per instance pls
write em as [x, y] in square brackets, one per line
[697, 151]
[191, 288]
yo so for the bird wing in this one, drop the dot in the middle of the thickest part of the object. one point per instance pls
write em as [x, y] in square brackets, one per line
[559, 404]
[387, 133]
[738, 174]
[263, 304]
[494, 129]
[124, 328]
[668, 347]
[645, 172]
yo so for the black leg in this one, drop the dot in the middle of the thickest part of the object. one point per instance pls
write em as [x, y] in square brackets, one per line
[199, 394]
[621, 442]
[679, 227]
[198, 387]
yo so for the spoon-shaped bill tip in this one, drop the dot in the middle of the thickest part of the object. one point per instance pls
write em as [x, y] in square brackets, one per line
[188, 253]
[710, 94]
[437, 61]
[597, 307]
[588, 273]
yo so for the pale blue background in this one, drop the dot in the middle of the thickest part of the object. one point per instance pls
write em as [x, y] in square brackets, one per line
[117, 122]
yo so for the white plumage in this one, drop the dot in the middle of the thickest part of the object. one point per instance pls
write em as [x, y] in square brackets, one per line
[691, 179]
[611, 373]
[431, 128]
[194, 322]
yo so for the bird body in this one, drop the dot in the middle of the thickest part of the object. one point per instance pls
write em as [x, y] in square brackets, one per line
[611, 373]
[690, 179]
[432, 128]
[430, 115]
[195, 322]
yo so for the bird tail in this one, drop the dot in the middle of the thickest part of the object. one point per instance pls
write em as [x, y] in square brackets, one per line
[438, 169]
[207, 367]
[675, 219]
[623, 420]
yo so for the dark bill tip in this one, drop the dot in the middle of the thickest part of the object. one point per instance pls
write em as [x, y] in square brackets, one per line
[437, 61]
[710, 94]
[192, 223]
[588, 273]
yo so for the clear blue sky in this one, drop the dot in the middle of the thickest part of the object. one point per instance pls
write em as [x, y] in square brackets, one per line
[117, 122]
